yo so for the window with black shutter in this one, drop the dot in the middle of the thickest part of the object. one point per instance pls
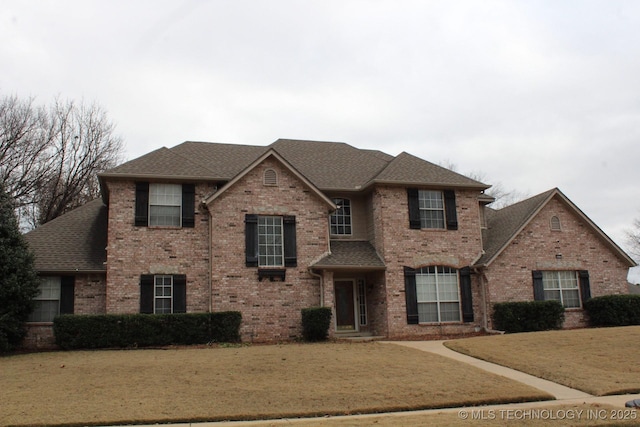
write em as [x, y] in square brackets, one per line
[163, 293]
[164, 205]
[270, 241]
[432, 209]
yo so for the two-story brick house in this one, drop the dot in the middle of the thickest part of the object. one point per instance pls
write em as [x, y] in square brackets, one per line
[397, 246]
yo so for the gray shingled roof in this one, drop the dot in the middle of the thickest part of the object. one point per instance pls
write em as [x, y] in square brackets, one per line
[347, 254]
[75, 241]
[327, 165]
[409, 169]
[503, 224]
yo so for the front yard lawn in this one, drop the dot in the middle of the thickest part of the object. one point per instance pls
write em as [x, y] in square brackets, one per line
[244, 382]
[600, 361]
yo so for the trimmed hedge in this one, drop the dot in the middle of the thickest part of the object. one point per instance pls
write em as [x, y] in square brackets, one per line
[528, 316]
[74, 331]
[315, 323]
[613, 310]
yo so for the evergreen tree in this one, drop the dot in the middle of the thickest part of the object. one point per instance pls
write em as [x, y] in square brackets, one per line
[18, 278]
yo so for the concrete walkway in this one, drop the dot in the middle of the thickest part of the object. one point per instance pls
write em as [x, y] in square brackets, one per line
[559, 391]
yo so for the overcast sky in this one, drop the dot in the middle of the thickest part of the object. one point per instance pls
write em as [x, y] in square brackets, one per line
[532, 94]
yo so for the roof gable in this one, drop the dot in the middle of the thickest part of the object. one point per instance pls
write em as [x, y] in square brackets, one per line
[504, 225]
[287, 165]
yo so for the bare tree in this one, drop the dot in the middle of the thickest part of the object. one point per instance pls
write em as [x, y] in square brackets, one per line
[502, 196]
[50, 157]
[633, 239]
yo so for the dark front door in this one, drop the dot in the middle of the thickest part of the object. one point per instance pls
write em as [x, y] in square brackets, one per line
[345, 306]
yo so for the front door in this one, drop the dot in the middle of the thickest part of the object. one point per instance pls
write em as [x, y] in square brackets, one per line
[345, 306]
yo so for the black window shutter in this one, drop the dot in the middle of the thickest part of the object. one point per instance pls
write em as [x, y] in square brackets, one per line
[538, 288]
[450, 209]
[188, 205]
[179, 293]
[411, 295]
[146, 293]
[465, 294]
[142, 204]
[414, 208]
[67, 294]
[251, 239]
[585, 287]
[289, 225]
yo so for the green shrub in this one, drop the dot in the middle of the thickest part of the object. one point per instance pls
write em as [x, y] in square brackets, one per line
[315, 323]
[613, 310]
[144, 330]
[528, 316]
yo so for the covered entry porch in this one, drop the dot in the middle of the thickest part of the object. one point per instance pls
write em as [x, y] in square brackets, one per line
[353, 285]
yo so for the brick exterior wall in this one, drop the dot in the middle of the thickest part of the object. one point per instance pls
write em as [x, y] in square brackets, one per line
[401, 246]
[133, 251]
[535, 248]
[270, 309]
[89, 298]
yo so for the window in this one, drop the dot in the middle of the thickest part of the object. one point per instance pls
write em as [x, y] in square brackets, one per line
[56, 296]
[163, 298]
[555, 224]
[270, 250]
[561, 286]
[437, 294]
[571, 288]
[48, 300]
[341, 218]
[163, 293]
[432, 209]
[270, 241]
[165, 204]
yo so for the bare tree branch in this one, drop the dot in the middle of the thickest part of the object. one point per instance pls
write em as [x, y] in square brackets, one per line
[49, 158]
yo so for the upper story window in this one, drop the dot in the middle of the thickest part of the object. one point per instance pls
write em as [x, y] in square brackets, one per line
[432, 209]
[270, 241]
[341, 218]
[555, 224]
[164, 205]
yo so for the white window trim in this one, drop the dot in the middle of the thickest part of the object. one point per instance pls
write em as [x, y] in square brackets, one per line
[156, 297]
[179, 206]
[362, 301]
[560, 288]
[442, 209]
[280, 263]
[337, 201]
[438, 300]
[58, 284]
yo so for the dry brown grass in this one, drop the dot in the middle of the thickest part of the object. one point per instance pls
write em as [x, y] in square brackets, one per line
[250, 382]
[598, 361]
